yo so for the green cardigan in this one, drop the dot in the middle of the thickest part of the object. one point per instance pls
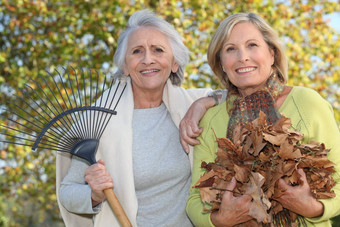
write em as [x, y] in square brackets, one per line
[309, 113]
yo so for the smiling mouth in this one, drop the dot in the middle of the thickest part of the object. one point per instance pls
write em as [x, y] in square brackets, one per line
[149, 71]
[245, 70]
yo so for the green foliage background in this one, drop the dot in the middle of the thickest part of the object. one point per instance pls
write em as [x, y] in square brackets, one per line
[38, 34]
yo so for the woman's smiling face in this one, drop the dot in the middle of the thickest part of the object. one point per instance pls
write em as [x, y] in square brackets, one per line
[149, 60]
[246, 58]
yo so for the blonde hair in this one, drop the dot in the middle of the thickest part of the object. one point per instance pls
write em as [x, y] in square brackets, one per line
[269, 35]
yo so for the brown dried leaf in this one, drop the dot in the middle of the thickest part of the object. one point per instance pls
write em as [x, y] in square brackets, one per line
[241, 173]
[208, 195]
[276, 139]
[226, 143]
[258, 209]
[288, 151]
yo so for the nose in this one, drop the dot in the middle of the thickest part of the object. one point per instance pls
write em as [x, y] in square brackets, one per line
[243, 55]
[148, 58]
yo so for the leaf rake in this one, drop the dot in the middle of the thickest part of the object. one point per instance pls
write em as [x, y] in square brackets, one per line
[65, 112]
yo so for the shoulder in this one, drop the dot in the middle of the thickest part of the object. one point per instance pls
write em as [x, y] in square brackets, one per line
[310, 113]
[309, 101]
[307, 96]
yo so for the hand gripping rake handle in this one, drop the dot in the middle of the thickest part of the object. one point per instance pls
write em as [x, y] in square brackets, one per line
[66, 115]
[86, 149]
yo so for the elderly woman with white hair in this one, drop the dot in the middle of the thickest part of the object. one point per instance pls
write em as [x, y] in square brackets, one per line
[144, 160]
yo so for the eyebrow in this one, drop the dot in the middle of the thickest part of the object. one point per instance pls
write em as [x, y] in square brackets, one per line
[156, 45]
[249, 40]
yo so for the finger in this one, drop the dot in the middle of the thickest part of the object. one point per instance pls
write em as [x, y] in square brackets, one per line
[194, 130]
[191, 141]
[190, 131]
[282, 185]
[99, 182]
[185, 146]
[95, 169]
[186, 139]
[232, 184]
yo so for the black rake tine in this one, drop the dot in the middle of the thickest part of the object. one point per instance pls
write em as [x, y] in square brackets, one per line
[13, 129]
[82, 122]
[26, 95]
[77, 122]
[67, 146]
[86, 112]
[91, 125]
[68, 126]
[41, 106]
[27, 120]
[17, 137]
[42, 99]
[69, 81]
[105, 121]
[50, 148]
[27, 140]
[16, 143]
[101, 116]
[95, 113]
[95, 123]
[27, 145]
[24, 111]
[69, 100]
[21, 117]
[115, 105]
[16, 122]
[63, 122]
[23, 132]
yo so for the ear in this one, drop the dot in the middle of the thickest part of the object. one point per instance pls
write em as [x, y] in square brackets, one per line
[125, 70]
[272, 53]
[174, 67]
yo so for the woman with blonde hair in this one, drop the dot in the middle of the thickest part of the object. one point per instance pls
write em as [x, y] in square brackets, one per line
[246, 55]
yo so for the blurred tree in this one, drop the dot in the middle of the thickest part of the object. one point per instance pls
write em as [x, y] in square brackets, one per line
[38, 35]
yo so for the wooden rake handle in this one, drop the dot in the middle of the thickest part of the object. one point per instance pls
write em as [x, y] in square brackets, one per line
[117, 208]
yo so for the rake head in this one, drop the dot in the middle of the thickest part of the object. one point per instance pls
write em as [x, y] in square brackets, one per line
[65, 111]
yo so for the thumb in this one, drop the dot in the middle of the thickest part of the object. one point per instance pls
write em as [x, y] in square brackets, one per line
[303, 177]
[101, 161]
[228, 194]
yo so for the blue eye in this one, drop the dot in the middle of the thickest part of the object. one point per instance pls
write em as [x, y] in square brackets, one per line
[136, 51]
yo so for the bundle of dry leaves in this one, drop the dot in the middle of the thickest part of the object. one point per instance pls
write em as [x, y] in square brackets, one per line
[258, 156]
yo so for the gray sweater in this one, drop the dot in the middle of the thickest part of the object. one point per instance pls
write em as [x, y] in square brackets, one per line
[161, 170]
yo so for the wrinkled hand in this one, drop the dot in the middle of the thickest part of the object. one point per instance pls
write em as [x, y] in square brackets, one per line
[299, 199]
[99, 179]
[188, 127]
[233, 210]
